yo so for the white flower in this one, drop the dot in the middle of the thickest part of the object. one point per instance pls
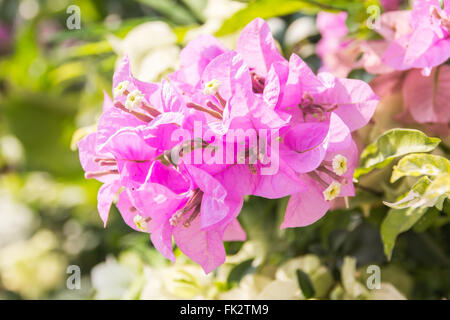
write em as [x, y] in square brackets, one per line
[111, 280]
[140, 222]
[211, 87]
[121, 88]
[134, 100]
[339, 164]
[332, 191]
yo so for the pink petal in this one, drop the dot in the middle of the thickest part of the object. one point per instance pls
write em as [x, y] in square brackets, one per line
[161, 236]
[196, 55]
[123, 73]
[355, 100]
[111, 120]
[300, 79]
[275, 81]
[279, 185]
[205, 246]
[305, 208]
[214, 209]
[427, 98]
[232, 73]
[234, 232]
[105, 197]
[257, 46]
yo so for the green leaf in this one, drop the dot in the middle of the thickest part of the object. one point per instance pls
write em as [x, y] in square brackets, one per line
[396, 222]
[305, 284]
[425, 193]
[427, 220]
[172, 10]
[239, 271]
[416, 165]
[271, 8]
[438, 191]
[196, 7]
[392, 144]
[265, 9]
[414, 198]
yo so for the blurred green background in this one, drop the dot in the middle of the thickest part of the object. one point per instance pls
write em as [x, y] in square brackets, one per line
[51, 90]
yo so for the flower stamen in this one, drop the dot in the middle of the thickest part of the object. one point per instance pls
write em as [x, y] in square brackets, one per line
[198, 107]
[141, 222]
[211, 87]
[138, 115]
[332, 191]
[339, 164]
[121, 88]
[97, 174]
[134, 100]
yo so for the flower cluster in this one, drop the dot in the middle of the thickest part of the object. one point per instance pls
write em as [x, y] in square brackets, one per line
[410, 58]
[178, 157]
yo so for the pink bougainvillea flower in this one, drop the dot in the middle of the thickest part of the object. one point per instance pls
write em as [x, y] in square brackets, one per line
[308, 95]
[339, 54]
[428, 43]
[424, 97]
[333, 179]
[427, 98]
[242, 100]
[197, 215]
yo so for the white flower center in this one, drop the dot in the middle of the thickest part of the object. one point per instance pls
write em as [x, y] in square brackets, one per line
[339, 164]
[134, 100]
[121, 88]
[333, 191]
[211, 87]
[140, 222]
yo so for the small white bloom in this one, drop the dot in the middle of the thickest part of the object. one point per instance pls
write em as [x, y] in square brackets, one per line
[121, 88]
[339, 164]
[140, 222]
[134, 100]
[211, 87]
[333, 191]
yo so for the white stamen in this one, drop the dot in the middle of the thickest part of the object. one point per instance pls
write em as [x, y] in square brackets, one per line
[134, 100]
[333, 191]
[339, 164]
[121, 88]
[211, 87]
[140, 222]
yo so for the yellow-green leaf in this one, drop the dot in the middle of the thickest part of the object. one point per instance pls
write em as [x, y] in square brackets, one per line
[392, 144]
[416, 165]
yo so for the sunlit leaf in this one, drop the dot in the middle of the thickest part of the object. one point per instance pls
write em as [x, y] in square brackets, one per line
[413, 197]
[392, 144]
[437, 192]
[265, 9]
[416, 165]
[172, 10]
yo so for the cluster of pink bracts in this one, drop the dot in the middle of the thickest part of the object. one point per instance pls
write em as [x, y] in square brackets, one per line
[147, 170]
[411, 58]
